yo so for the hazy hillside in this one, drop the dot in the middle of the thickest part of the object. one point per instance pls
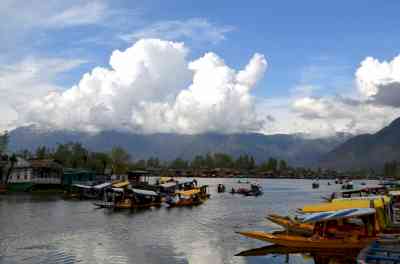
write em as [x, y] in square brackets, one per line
[366, 151]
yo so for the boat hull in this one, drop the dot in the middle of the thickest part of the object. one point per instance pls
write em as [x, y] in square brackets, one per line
[305, 242]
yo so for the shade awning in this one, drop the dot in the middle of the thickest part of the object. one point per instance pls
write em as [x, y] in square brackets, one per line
[82, 186]
[340, 214]
[102, 185]
[144, 192]
[168, 184]
[120, 184]
[188, 192]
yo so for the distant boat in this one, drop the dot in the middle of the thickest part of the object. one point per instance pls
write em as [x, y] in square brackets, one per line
[221, 188]
[255, 190]
[315, 185]
[348, 185]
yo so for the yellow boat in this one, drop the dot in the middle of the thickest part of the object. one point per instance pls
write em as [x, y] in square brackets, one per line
[308, 242]
[331, 231]
[189, 197]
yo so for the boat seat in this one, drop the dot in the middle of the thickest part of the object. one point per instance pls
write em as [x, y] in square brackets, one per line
[378, 258]
[389, 251]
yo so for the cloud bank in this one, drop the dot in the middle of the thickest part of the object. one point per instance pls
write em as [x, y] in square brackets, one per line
[151, 87]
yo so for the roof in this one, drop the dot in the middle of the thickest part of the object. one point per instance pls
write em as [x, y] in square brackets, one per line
[168, 184]
[340, 214]
[144, 192]
[82, 186]
[102, 185]
[372, 197]
[117, 189]
[77, 171]
[326, 207]
[120, 184]
[45, 163]
[394, 193]
[188, 192]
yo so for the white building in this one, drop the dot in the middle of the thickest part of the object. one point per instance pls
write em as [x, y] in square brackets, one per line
[22, 172]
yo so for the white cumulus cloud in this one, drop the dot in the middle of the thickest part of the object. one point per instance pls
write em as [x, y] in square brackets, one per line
[151, 87]
[379, 81]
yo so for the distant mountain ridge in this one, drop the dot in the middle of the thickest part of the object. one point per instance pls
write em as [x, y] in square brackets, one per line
[366, 151]
[298, 150]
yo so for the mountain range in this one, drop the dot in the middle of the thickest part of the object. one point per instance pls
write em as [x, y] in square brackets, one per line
[341, 151]
[297, 149]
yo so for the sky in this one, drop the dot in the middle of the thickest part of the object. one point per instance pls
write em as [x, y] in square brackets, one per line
[314, 67]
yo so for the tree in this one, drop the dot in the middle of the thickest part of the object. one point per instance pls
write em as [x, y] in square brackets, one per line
[282, 165]
[119, 160]
[4, 140]
[41, 152]
[198, 162]
[209, 161]
[98, 161]
[222, 160]
[179, 163]
[270, 165]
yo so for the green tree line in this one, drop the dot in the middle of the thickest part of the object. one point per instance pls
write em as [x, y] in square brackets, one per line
[118, 160]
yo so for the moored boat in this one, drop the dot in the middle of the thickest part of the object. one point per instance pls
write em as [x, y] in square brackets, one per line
[315, 185]
[191, 197]
[254, 190]
[129, 198]
[331, 231]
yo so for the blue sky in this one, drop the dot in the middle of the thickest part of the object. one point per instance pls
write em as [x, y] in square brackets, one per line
[315, 44]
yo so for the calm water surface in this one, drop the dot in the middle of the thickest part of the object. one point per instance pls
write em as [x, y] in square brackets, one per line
[37, 229]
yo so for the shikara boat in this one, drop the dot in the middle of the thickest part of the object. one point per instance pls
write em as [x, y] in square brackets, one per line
[191, 197]
[130, 198]
[254, 190]
[357, 193]
[343, 236]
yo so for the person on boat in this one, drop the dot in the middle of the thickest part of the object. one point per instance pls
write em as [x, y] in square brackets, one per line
[195, 182]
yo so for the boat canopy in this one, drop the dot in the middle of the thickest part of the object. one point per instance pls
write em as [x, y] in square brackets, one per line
[82, 186]
[118, 189]
[394, 193]
[168, 184]
[120, 184]
[334, 206]
[102, 185]
[188, 192]
[185, 182]
[144, 192]
[374, 197]
[340, 214]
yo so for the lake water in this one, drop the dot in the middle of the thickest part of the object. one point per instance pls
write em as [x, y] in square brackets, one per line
[37, 229]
